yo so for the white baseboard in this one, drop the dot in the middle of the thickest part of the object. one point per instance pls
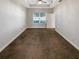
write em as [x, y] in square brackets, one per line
[73, 44]
[12, 39]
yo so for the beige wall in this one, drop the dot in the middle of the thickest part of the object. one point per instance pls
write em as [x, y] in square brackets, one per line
[67, 21]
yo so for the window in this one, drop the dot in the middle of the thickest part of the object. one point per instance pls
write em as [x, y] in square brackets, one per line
[39, 17]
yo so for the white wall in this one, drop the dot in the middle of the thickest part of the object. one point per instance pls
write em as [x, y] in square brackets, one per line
[51, 20]
[12, 22]
[67, 21]
[30, 17]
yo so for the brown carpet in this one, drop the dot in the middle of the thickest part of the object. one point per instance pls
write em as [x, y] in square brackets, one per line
[39, 44]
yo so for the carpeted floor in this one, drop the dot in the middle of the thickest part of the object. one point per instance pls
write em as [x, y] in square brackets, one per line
[39, 44]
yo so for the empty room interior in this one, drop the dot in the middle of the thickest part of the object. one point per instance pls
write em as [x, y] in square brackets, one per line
[39, 29]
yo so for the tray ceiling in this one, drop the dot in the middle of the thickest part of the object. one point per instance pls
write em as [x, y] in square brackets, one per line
[34, 3]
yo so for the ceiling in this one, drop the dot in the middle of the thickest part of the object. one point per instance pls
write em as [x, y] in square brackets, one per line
[34, 3]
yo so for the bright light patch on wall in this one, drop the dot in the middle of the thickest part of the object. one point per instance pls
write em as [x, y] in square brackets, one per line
[40, 2]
